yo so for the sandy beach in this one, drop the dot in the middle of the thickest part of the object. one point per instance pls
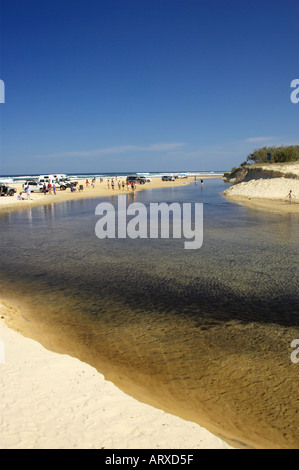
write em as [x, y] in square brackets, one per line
[269, 193]
[54, 401]
[99, 190]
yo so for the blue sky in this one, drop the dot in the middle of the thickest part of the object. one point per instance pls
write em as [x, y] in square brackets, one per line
[145, 85]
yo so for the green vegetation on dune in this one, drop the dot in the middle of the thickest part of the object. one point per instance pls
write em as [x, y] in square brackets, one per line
[282, 154]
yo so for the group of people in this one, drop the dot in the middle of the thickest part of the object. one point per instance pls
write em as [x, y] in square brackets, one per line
[48, 188]
[28, 194]
[93, 182]
[122, 184]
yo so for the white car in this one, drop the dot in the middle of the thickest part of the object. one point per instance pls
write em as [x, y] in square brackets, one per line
[33, 185]
[36, 186]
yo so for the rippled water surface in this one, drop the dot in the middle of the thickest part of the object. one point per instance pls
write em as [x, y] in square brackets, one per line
[204, 333]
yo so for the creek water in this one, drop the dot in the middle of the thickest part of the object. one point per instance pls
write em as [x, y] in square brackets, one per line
[204, 334]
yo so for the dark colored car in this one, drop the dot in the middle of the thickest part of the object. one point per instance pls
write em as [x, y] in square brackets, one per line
[168, 178]
[139, 179]
[7, 190]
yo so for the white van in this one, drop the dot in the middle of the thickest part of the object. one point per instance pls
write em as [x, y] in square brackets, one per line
[46, 179]
[60, 176]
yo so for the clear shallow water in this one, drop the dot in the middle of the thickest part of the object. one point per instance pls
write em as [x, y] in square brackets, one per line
[202, 333]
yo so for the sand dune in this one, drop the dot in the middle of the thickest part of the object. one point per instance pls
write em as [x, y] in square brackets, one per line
[269, 193]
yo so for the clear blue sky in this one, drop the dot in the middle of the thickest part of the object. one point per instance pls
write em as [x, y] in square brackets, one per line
[145, 85]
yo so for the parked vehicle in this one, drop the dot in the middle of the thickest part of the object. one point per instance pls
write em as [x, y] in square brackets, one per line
[46, 179]
[145, 175]
[60, 176]
[7, 190]
[34, 186]
[38, 186]
[168, 178]
[139, 179]
[182, 175]
[67, 182]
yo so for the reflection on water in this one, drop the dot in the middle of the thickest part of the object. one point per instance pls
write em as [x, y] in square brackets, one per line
[202, 333]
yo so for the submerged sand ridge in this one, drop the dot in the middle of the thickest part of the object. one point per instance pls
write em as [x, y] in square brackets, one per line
[234, 378]
[54, 401]
[247, 399]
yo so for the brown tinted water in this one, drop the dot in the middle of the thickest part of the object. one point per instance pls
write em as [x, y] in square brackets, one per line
[204, 334]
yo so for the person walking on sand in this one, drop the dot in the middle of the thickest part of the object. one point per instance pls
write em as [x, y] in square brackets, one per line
[45, 189]
[28, 192]
[123, 185]
[112, 184]
[290, 196]
[54, 189]
[108, 184]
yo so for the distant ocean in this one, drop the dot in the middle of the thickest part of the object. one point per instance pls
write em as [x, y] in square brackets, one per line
[21, 178]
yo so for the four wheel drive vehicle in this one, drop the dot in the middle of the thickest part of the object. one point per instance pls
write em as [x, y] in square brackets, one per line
[7, 190]
[181, 175]
[146, 177]
[139, 179]
[168, 178]
[33, 185]
[39, 186]
[67, 182]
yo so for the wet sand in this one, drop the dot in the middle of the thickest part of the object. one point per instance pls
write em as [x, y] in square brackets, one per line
[266, 204]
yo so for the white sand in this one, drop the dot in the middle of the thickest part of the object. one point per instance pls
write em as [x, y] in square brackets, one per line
[54, 401]
[282, 167]
[269, 193]
[271, 188]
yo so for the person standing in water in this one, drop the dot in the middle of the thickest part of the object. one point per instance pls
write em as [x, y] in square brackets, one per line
[290, 196]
